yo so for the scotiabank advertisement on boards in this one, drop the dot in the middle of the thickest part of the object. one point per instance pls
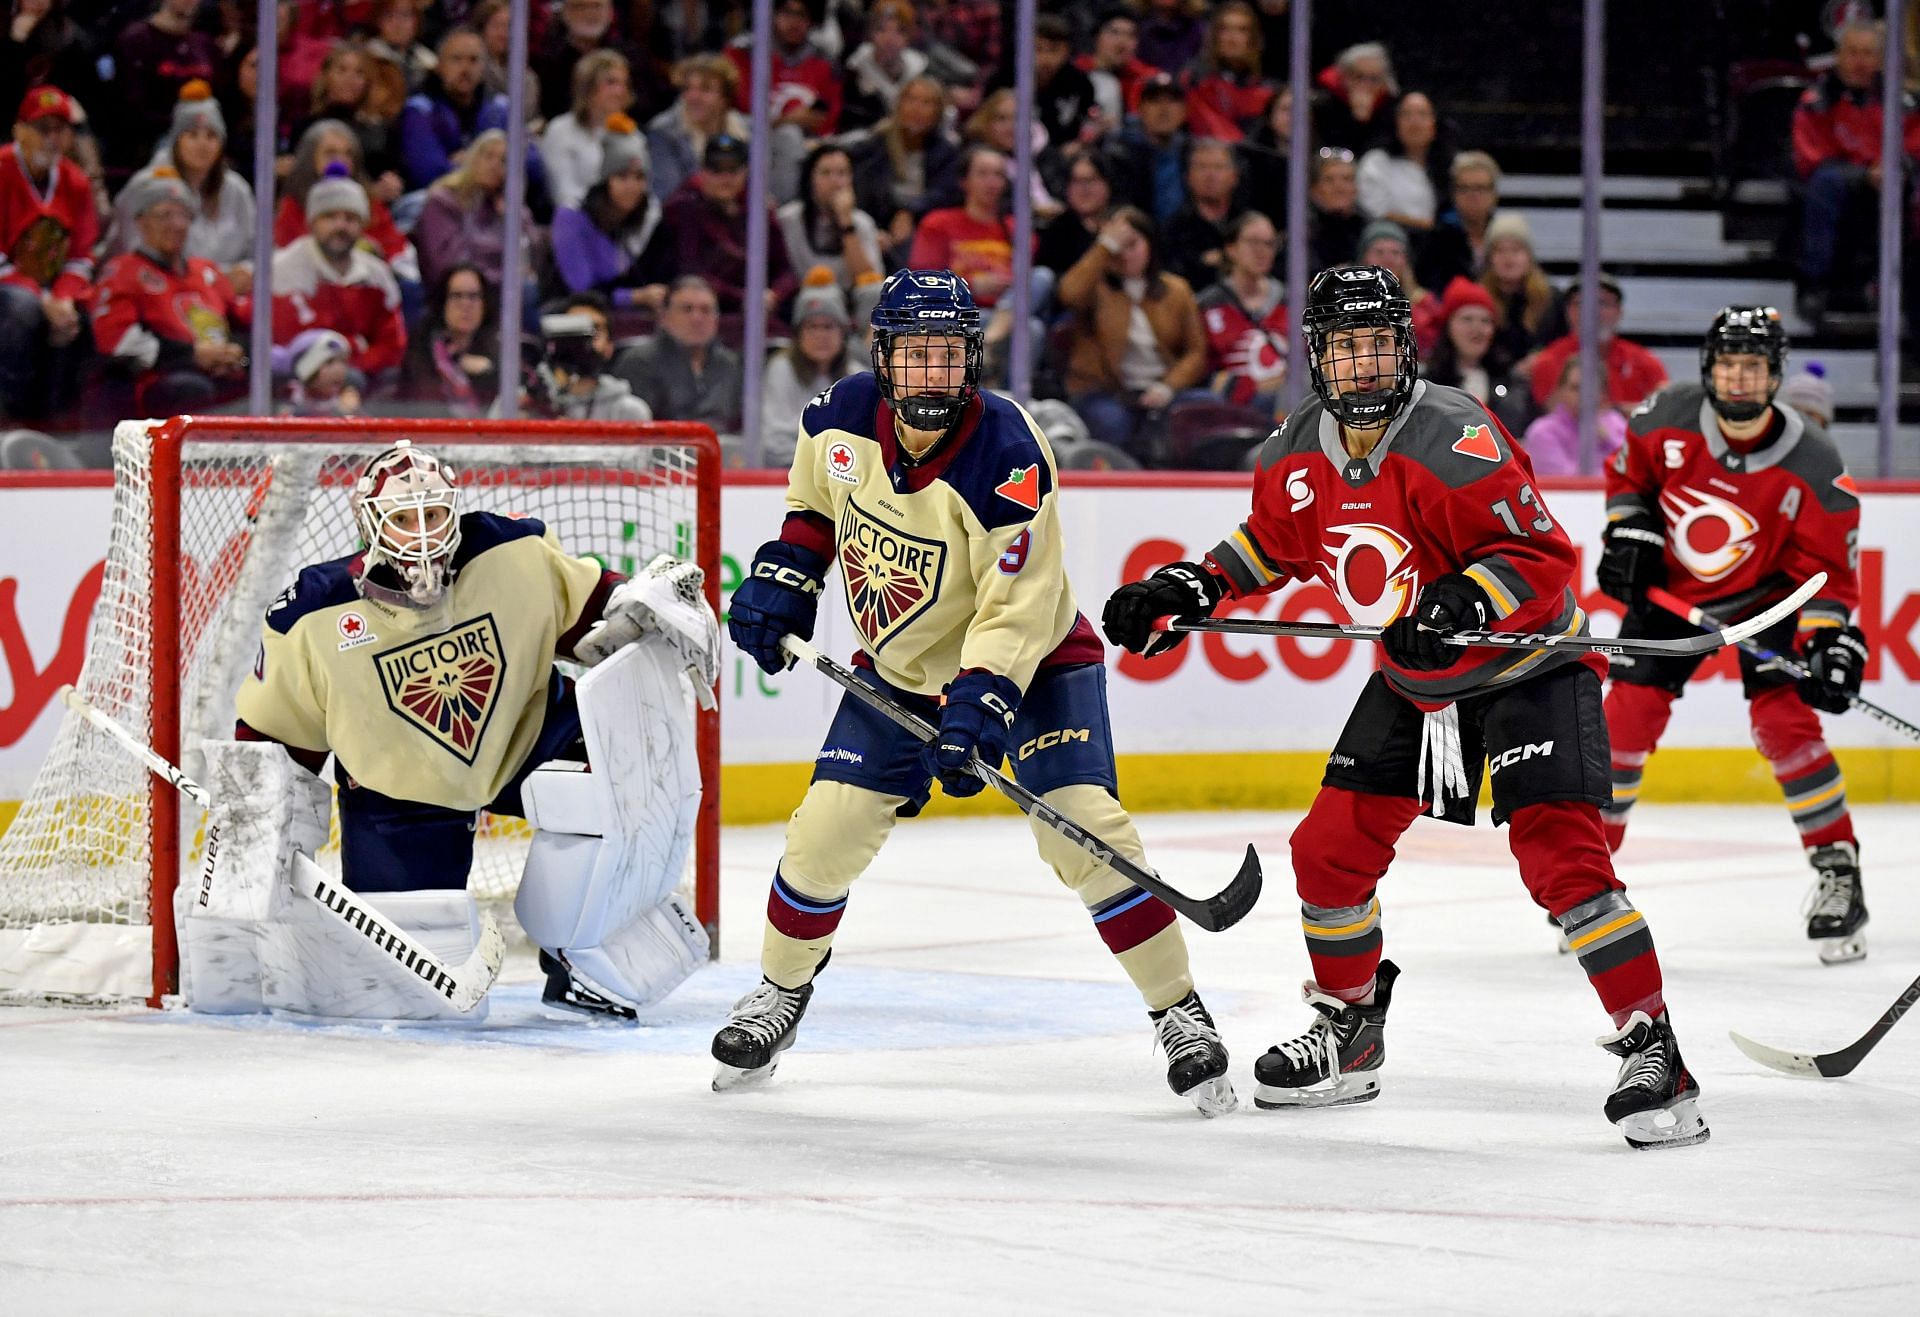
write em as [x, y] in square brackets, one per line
[1215, 694]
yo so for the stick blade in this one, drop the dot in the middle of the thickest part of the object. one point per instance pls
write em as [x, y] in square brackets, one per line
[479, 970]
[1753, 626]
[1236, 900]
[1787, 1063]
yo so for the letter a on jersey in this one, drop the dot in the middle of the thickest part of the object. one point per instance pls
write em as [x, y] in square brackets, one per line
[1022, 487]
[447, 685]
[1477, 441]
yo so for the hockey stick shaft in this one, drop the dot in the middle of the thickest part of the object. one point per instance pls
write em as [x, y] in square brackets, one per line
[463, 985]
[1832, 1065]
[1215, 913]
[1515, 640]
[1786, 663]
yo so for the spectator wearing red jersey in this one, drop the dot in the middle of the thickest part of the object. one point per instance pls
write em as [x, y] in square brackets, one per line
[223, 209]
[705, 230]
[48, 228]
[1244, 315]
[1226, 93]
[1836, 148]
[975, 238]
[1115, 67]
[325, 145]
[1632, 372]
[166, 320]
[327, 280]
[153, 59]
[804, 89]
[1359, 95]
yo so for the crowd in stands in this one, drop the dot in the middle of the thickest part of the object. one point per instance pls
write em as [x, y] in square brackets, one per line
[1162, 137]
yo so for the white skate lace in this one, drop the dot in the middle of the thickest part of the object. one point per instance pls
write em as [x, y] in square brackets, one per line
[1310, 1048]
[1646, 1067]
[1182, 1033]
[1831, 898]
[765, 1013]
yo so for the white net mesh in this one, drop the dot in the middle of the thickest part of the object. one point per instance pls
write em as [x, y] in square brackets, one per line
[255, 508]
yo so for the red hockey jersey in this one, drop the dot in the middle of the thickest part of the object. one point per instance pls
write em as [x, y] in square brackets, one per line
[47, 236]
[1245, 356]
[1742, 528]
[1445, 490]
[150, 317]
[363, 304]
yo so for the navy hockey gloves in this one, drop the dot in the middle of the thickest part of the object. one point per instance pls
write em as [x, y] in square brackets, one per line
[1632, 557]
[977, 717]
[1418, 643]
[1182, 589]
[780, 595]
[1836, 661]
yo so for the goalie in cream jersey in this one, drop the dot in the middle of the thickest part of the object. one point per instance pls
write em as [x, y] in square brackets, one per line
[938, 502]
[424, 664]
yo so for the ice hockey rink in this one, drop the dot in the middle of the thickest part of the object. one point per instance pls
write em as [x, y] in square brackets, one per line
[972, 1122]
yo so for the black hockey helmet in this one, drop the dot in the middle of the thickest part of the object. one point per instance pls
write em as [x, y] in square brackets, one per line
[1749, 330]
[1351, 297]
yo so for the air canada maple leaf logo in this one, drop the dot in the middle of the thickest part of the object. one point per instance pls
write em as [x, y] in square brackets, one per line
[447, 686]
[1022, 487]
[891, 577]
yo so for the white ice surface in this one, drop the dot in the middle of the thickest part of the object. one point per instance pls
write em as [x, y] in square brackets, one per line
[972, 1123]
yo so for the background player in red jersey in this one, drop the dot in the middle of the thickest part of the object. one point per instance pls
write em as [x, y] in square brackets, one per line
[1729, 499]
[1413, 504]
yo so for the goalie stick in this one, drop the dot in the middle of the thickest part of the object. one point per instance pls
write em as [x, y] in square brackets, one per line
[463, 985]
[1220, 911]
[1831, 1065]
[1793, 667]
[1517, 640]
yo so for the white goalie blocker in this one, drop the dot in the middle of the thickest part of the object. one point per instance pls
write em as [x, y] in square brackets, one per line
[262, 927]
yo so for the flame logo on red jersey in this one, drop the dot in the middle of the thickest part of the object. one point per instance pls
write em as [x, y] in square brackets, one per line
[1710, 536]
[1369, 573]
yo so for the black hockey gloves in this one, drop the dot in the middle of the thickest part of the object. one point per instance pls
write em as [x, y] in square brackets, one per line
[1836, 661]
[1632, 557]
[1182, 589]
[1452, 603]
[977, 717]
[780, 595]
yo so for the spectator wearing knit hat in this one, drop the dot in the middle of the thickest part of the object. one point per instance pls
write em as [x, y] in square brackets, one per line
[1527, 314]
[48, 228]
[1632, 372]
[167, 320]
[815, 359]
[322, 146]
[465, 218]
[1468, 357]
[327, 280]
[572, 143]
[221, 202]
[607, 243]
[1809, 392]
[1386, 244]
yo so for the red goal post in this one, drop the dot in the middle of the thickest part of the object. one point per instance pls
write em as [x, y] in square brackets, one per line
[213, 517]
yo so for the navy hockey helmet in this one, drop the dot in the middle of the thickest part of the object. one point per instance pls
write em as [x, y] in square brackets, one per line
[1360, 297]
[1744, 330]
[926, 303]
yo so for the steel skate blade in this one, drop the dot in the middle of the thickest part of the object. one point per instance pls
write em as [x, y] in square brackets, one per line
[1343, 1092]
[1213, 1097]
[729, 1078]
[1842, 950]
[1677, 1126]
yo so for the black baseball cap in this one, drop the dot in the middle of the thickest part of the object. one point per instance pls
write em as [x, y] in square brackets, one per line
[724, 151]
[1161, 84]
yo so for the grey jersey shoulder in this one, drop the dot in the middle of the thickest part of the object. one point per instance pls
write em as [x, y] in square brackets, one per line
[1816, 459]
[1299, 433]
[1675, 407]
[1451, 434]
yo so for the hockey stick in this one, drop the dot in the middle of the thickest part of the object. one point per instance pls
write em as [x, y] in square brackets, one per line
[1515, 640]
[1831, 1065]
[1787, 664]
[463, 985]
[1221, 911]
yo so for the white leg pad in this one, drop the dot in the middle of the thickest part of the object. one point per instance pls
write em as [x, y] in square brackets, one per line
[312, 964]
[648, 958]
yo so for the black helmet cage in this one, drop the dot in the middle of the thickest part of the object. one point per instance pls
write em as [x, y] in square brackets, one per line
[1377, 406]
[932, 412]
[1749, 330]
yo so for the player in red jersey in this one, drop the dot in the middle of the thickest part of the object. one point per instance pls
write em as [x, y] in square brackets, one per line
[1415, 506]
[1730, 499]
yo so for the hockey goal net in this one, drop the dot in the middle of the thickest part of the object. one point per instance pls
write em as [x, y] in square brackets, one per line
[212, 518]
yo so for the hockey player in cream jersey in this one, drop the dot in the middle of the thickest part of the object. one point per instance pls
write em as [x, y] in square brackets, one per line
[424, 664]
[938, 501]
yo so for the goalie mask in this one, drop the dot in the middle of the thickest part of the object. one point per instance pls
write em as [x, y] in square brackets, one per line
[1359, 331]
[405, 507]
[1744, 331]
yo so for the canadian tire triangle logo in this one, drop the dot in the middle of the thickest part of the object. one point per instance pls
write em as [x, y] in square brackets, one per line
[1477, 441]
[1022, 487]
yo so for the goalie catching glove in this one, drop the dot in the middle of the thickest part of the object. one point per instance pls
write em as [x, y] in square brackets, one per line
[665, 599]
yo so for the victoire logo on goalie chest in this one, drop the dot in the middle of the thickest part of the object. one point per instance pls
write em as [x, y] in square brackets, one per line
[891, 577]
[447, 685]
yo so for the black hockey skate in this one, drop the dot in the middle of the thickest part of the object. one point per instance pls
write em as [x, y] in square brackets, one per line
[1335, 1062]
[1655, 1099]
[1837, 909]
[566, 989]
[1196, 1058]
[763, 1025]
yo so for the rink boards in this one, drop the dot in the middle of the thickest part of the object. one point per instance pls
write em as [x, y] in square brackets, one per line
[1224, 722]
